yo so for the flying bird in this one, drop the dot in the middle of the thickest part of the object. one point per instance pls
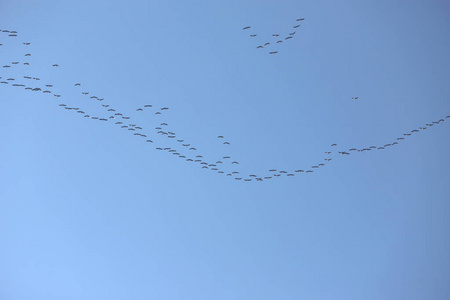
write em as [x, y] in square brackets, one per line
[248, 27]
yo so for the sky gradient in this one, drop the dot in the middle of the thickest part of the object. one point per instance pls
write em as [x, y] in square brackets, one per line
[90, 211]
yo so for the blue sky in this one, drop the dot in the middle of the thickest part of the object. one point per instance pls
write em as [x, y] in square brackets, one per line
[88, 210]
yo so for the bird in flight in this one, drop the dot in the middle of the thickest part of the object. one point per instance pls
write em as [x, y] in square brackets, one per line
[354, 98]
[246, 27]
[273, 52]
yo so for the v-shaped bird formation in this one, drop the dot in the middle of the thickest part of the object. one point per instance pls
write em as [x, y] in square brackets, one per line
[162, 137]
[273, 41]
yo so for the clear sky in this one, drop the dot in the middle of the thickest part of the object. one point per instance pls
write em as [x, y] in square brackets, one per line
[88, 210]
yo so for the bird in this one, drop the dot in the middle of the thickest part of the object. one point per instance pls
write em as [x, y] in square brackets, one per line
[354, 98]
[296, 26]
[247, 27]
[55, 65]
[259, 47]
[273, 52]
[292, 33]
[26, 44]
[77, 84]
[275, 34]
[279, 42]
[252, 35]
[220, 137]
[298, 20]
[334, 145]
[148, 105]
[289, 37]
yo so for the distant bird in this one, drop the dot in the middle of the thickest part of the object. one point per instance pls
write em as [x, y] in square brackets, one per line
[26, 44]
[248, 27]
[148, 105]
[220, 137]
[226, 143]
[266, 44]
[275, 34]
[252, 35]
[259, 47]
[289, 37]
[296, 26]
[77, 84]
[333, 145]
[279, 42]
[292, 33]
[55, 65]
[298, 20]
[273, 52]
[139, 109]
[28, 54]
[355, 98]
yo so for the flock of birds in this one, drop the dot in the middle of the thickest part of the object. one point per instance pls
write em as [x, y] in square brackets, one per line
[275, 37]
[225, 165]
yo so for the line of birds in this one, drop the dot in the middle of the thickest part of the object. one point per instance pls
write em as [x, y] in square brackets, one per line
[223, 165]
[275, 35]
